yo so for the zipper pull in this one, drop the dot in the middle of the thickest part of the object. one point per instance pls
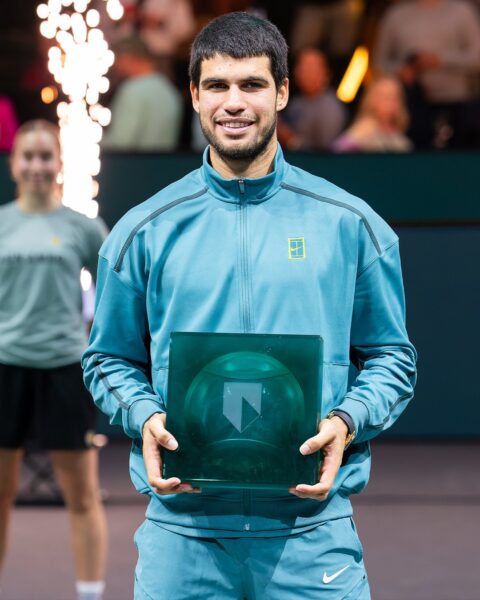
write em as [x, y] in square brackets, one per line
[241, 185]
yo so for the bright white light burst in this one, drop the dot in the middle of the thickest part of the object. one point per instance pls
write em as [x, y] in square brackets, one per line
[79, 62]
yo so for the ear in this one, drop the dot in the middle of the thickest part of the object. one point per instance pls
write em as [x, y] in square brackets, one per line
[195, 99]
[283, 94]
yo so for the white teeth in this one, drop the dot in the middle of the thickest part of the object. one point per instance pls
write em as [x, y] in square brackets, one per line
[235, 125]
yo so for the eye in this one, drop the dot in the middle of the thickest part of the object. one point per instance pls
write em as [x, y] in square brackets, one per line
[253, 85]
[218, 85]
[46, 156]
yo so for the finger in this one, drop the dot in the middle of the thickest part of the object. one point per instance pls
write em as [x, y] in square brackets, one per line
[152, 458]
[295, 492]
[331, 462]
[165, 486]
[317, 442]
[173, 485]
[162, 436]
[318, 491]
[332, 459]
[329, 468]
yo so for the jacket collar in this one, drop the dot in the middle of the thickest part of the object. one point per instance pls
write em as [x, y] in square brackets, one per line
[244, 190]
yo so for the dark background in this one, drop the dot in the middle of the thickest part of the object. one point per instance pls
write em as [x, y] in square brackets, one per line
[432, 201]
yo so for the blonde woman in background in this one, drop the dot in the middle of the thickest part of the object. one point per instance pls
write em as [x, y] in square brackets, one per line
[43, 247]
[381, 121]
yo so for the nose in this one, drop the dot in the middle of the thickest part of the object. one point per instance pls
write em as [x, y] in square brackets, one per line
[234, 101]
[36, 164]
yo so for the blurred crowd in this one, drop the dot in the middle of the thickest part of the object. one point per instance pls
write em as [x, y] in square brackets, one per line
[421, 90]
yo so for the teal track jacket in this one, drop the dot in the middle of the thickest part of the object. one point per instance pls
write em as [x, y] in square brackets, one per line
[285, 253]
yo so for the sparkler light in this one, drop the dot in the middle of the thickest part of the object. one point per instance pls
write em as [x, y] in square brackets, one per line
[79, 62]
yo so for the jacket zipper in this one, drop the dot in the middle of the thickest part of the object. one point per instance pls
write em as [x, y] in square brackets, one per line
[245, 309]
[244, 270]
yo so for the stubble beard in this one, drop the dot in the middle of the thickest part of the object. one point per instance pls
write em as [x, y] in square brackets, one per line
[249, 152]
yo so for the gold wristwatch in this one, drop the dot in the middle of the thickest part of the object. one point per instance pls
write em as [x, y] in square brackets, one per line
[347, 419]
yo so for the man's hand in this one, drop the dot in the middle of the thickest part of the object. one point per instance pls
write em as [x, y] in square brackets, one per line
[330, 438]
[154, 436]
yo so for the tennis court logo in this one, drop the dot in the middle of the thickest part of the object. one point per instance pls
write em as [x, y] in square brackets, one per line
[296, 248]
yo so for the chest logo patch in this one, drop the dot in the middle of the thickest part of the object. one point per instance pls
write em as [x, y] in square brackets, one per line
[55, 240]
[296, 248]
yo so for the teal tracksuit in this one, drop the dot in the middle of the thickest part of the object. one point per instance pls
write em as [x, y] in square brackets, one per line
[285, 253]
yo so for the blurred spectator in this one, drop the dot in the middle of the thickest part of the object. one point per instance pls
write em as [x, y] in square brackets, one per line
[381, 121]
[162, 24]
[8, 123]
[146, 108]
[434, 47]
[314, 117]
[331, 24]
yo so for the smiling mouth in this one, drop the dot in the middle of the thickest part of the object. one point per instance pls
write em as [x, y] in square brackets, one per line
[236, 127]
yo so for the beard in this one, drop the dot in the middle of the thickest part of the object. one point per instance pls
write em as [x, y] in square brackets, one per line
[249, 152]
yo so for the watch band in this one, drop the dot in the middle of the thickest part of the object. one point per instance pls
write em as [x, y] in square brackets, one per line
[347, 419]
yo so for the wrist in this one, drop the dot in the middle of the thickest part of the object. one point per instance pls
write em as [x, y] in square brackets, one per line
[150, 419]
[348, 424]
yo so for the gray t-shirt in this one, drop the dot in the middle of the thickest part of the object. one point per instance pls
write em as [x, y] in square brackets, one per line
[146, 115]
[41, 256]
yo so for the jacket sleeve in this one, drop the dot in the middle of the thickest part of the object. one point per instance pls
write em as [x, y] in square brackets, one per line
[380, 348]
[116, 363]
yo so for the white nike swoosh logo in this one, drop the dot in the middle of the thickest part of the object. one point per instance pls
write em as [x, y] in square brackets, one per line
[329, 578]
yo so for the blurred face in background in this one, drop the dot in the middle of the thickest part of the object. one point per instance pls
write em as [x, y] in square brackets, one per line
[35, 163]
[311, 72]
[385, 101]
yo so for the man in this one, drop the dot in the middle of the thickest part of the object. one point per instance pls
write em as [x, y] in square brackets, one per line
[314, 117]
[333, 24]
[433, 46]
[147, 108]
[210, 253]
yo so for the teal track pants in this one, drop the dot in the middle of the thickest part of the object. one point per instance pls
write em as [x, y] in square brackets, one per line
[324, 563]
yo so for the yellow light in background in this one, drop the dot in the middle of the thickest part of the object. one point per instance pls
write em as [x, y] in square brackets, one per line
[354, 75]
[49, 94]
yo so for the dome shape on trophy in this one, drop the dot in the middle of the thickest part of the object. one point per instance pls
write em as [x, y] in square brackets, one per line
[240, 405]
[244, 409]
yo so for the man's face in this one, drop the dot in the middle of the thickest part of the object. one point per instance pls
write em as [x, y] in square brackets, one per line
[238, 103]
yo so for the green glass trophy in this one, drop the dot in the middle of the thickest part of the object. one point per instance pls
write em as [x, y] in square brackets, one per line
[240, 406]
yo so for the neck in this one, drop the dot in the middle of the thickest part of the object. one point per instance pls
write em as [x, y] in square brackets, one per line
[38, 203]
[245, 169]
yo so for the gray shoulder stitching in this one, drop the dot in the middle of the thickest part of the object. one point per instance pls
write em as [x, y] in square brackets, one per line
[146, 220]
[341, 204]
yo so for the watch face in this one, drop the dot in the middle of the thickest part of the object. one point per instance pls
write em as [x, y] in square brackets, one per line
[240, 405]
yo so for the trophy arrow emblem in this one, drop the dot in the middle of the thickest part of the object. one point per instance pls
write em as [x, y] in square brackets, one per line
[242, 403]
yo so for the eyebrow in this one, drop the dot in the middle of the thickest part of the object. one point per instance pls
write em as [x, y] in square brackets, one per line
[252, 79]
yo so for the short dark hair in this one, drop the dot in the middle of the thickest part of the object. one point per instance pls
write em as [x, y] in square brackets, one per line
[240, 35]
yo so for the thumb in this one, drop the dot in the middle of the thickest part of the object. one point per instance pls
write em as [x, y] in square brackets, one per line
[317, 442]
